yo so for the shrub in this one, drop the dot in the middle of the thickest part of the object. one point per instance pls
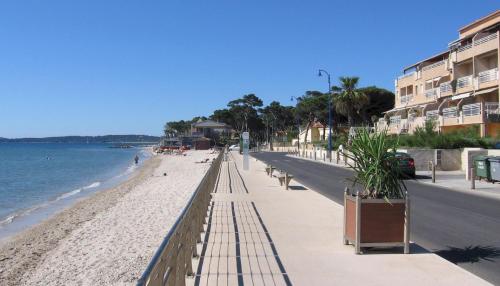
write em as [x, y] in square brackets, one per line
[377, 170]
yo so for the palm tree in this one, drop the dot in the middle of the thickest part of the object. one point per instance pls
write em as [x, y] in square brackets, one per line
[348, 99]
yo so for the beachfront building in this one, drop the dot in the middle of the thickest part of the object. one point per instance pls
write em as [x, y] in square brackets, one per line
[457, 88]
[209, 129]
[317, 132]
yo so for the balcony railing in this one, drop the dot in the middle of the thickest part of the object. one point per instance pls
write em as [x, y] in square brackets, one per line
[492, 110]
[464, 48]
[406, 75]
[432, 115]
[395, 120]
[485, 39]
[406, 98]
[464, 81]
[471, 109]
[445, 87]
[431, 93]
[440, 63]
[488, 75]
[450, 112]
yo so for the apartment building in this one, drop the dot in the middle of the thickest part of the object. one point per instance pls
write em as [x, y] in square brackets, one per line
[456, 88]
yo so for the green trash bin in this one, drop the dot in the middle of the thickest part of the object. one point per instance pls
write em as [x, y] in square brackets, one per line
[495, 168]
[482, 167]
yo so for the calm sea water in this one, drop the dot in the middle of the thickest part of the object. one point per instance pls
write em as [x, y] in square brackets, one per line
[36, 180]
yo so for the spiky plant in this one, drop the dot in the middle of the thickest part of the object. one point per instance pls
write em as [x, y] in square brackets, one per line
[376, 166]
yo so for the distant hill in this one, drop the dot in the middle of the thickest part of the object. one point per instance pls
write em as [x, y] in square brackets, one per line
[87, 139]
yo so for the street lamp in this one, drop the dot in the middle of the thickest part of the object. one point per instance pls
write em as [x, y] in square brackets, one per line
[298, 123]
[320, 73]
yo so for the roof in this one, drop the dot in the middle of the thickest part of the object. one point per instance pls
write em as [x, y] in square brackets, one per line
[427, 59]
[210, 124]
[479, 21]
[317, 125]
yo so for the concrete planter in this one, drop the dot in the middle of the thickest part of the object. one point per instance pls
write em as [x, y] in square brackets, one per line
[376, 223]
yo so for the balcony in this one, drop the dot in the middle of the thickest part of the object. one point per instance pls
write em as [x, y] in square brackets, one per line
[405, 99]
[431, 94]
[434, 65]
[477, 47]
[432, 115]
[487, 76]
[492, 111]
[464, 82]
[450, 116]
[445, 89]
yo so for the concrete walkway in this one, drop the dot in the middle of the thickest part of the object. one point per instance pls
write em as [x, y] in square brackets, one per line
[260, 234]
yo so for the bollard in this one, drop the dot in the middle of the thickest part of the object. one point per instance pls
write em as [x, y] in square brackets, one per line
[433, 173]
[472, 179]
[324, 157]
[338, 157]
[314, 155]
[286, 181]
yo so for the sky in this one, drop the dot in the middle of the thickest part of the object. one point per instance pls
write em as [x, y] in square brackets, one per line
[96, 67]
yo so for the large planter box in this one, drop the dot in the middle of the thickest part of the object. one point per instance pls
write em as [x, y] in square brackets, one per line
[376, 223]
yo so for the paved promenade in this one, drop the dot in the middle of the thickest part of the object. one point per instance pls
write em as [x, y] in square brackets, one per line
[260, 234]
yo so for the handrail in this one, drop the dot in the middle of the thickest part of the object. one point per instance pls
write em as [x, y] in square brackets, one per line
[172, 260]
[436, 64]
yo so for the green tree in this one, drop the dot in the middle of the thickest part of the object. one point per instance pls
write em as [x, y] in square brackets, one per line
[348, 98]
[309, 108]
[379, 101]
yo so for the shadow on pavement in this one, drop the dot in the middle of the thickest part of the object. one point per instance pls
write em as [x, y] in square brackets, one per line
[297, 188]
[469, 254]
[414, 249]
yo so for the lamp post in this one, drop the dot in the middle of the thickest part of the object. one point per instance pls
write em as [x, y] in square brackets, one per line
[320, 73]
[298, 124]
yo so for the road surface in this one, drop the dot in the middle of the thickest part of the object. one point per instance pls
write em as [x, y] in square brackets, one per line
[462, 228]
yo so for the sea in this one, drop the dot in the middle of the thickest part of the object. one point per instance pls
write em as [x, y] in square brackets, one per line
[39, 179]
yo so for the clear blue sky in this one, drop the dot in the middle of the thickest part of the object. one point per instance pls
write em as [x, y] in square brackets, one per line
[113, 67]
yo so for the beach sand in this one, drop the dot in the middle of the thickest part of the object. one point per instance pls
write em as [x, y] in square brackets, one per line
[110, 237]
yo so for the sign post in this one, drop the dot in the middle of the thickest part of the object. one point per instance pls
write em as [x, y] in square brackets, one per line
[246, 144]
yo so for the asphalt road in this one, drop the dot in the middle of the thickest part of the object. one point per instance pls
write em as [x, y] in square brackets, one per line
[462, 228]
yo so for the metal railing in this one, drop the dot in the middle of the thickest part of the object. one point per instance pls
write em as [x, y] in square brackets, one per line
[445, 87]
[433, 65]
[471, 109]
[431, 93]
[450, 112]
[464, 81]
[485, 39]
[406, 98]
[172, 261]
[492, 110]
[488, 75]
[432, 115]
[406, 75]
[464, 48]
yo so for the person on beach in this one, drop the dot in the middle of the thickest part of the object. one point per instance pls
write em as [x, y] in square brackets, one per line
[136, 159]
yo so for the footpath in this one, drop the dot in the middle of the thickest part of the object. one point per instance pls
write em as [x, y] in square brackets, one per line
[258, 233]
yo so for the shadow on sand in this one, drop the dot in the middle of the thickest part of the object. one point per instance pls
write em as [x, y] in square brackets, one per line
[469, 254]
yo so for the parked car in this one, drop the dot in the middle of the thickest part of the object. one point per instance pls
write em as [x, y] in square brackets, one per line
[406, 164]
[234, 148]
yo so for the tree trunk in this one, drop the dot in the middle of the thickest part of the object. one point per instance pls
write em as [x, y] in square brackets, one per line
[324, 132]
[305, 137]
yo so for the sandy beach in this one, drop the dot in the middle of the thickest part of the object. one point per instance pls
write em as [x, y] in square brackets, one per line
[110, 237]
